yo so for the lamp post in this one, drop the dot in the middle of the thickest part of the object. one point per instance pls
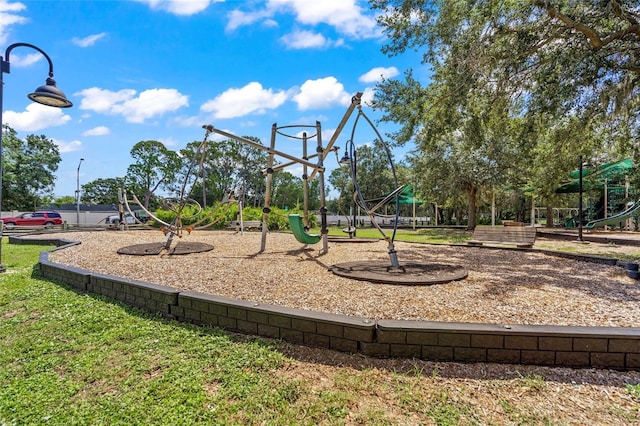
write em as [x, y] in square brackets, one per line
[48, 95]
[580, 206]
[78, 193]
[346, 161]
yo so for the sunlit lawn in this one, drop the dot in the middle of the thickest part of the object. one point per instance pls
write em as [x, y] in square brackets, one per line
[69, 358]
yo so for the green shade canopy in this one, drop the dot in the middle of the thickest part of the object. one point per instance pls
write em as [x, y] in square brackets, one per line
[406, 196]
[614, 173]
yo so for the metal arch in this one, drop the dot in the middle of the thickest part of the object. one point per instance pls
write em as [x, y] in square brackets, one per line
[175, 227]
[293, 126]
[359, 198]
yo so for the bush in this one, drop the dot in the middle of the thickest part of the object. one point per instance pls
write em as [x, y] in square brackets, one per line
[278, 218]
[220, 214]
[217, 216]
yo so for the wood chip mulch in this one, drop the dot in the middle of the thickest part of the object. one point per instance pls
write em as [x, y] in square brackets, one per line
[503, 286]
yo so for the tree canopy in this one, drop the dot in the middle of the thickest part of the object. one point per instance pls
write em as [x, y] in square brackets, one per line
[154, 167]
[226, 165]
[516, 91]
[28, 167]
[102, 191]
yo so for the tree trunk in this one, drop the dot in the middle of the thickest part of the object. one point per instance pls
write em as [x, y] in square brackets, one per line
[147, 199]
[473, 191]
[549, 217]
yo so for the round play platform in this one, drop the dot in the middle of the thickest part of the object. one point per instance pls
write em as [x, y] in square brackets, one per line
[183, 247]
[407, 274]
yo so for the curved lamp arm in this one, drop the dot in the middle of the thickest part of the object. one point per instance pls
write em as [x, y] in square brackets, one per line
[48, 94]
[5, 62]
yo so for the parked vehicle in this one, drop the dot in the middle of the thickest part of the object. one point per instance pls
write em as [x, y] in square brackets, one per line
[129, 219]
[46, 219]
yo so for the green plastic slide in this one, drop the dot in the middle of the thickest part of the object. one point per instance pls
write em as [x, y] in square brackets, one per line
[297, 227]
[615, 219]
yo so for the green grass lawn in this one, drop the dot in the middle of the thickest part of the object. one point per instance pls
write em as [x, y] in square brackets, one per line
[425, 235]
[70, 358]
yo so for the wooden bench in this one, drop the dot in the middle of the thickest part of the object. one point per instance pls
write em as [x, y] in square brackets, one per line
[520, 236]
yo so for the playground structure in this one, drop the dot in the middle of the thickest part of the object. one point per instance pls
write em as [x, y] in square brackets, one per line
[611, 181]
[178, 206]
[299, 225]
[395, 273]
[633, 210]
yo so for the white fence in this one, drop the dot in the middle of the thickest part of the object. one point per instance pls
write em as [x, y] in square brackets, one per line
[86, 218]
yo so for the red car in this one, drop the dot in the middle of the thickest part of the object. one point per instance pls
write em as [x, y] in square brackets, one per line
[46, 219]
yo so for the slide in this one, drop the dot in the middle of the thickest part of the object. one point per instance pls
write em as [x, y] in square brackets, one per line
[297, 227]
[615, 219]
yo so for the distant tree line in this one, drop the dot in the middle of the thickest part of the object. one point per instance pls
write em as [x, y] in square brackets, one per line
[29, 167]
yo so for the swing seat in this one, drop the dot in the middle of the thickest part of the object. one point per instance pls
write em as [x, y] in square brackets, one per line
[297, 227]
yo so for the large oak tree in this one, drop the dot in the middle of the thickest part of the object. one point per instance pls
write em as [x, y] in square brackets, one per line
[28, 167]
[545, 80]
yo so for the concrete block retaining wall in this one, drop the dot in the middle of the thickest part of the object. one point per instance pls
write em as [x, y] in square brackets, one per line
[565, 346]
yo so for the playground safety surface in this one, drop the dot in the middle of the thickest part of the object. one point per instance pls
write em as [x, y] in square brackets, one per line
[502, 287]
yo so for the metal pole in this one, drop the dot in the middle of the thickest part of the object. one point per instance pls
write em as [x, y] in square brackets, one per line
[580, 202]
[355, 204]
[2, 71]
[47, 95]
[305, 181]
[606, 203]
[324, 231]
[78, 193]
[267, 196]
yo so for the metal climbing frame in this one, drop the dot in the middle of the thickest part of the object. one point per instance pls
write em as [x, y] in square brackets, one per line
[318, 167]
[359, 198]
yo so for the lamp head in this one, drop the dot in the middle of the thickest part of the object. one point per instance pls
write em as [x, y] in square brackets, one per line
[50, 95]
[345, 160]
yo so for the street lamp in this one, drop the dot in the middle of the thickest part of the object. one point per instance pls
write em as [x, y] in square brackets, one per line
[78, 193]
[344, 162]
[580, 202]
[48, 95]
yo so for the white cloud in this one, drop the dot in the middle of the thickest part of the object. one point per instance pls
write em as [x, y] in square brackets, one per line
[367, 96]
[321, 93]
[252, 98]
[63, 146]
[150, 103]
[302, 39]
[346, 16]
[26, 60]
[97, 131]
[179, 7]
[35, 117]
[9, 16]
[238, 18]
[89, 40]
[168, 142]
[192, 121]
[377, 74]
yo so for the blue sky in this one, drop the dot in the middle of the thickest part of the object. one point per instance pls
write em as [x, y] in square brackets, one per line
[158, 70]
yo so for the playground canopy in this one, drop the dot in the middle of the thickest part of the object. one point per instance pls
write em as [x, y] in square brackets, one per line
[406, 196]
[612, 173]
